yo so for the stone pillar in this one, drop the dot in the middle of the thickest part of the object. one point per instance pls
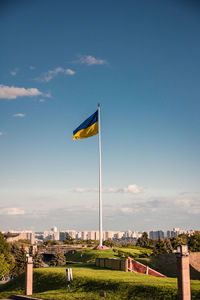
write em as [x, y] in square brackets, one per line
[126, 265]
[29, 275]
[183, 272]
[147, 270]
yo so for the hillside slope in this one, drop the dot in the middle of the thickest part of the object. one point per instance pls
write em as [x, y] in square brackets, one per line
[50, 283]
[166, 264]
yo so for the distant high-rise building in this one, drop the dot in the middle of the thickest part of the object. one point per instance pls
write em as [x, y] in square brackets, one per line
[84, 235]
[62, 235]
[175, 232]
[155, 235]
[91, 235]
[118, 235]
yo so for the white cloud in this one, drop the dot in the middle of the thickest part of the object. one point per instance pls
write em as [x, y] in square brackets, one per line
[53, 73]
[69, 72]
[2, 133]
[188, 205]
[91, 60]
[32, 68]
[131, 189]
[11, 92]
[14, 71]
[11, 211]
[112, 190]
[126, 210]
[167, 207]
[84, 190]
[41, 100]
[19, 115]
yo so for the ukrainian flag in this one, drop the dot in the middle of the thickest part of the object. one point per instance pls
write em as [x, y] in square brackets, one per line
[88, 128]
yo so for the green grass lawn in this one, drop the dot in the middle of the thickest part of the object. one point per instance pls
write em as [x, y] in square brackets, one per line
[89, 255]
[50, 283]
[136, 251]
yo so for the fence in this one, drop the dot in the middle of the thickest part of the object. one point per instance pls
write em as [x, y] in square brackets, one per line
[126, 265]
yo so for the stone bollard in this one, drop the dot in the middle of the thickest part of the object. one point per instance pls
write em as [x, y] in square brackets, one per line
[183, 272]
[29, 275]
[102, 294]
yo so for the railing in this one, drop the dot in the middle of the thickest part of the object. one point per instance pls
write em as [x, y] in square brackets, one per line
[137, 267]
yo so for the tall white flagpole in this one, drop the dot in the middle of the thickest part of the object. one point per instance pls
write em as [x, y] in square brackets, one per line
[100, 183]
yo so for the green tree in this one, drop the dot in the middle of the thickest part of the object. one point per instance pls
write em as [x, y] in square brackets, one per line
[58, 259]
[37, 260]
[178, 240]
[194, 242]
[19, 254]
[69, 240]
[162, 246]
[168, 246]
[5, 248]
[4, 266]
[49, 243]
[152, 243]
[143, 241]
[183, 238]
[108, 243]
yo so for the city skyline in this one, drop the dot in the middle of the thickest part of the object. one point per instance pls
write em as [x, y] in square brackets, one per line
[60, 235]
[140, 60]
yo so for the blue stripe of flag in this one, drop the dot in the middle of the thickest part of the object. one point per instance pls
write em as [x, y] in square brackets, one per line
[87, 123]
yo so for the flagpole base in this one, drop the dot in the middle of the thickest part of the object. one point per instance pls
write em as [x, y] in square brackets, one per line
[101, 248]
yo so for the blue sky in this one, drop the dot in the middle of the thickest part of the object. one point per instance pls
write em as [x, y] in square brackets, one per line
[140, 59]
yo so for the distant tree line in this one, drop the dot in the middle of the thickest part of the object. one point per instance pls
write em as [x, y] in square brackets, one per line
[161, 246]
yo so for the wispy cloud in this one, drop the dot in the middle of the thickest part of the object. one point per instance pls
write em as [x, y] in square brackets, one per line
[126, 210]
[32, 68]
[11, 211]
[11, 92]
[19, 115]
[163, 206]
[191, 206]
[53, 73]
[2, 133]
[69, 72]
[47, 95]
[131, 189]
[84, 190]
[14, 71]
[91, 60]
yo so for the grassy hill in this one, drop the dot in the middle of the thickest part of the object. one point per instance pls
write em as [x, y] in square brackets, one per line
[89, 255]
[50, 283]
[165, 263]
